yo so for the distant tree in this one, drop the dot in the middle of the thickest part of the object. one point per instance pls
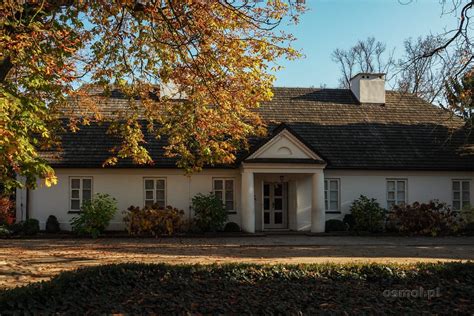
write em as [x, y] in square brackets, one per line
[460, 95]
[425, 77]
[365, 56]
[219, 54]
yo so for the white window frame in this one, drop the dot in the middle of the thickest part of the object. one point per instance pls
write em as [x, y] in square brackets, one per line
[224, 201]
[81, 191]
[396, 201]
[327, 195]
[461, 200]
[155, 180]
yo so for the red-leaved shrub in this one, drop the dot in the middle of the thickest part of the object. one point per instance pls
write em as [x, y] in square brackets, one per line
[7, 216]
[433, 218]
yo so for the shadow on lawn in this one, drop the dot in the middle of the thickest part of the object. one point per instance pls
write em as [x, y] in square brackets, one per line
[236, 289]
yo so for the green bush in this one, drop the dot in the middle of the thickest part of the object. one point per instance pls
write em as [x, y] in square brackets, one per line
[153, 220]
[95, 215]
[335, 225]
[232, 227]
[210, 214]
[368, 215]
[243, 289]
[30, 227]
[467, 220]
[52, 224]
[348, 220]
[433, 218]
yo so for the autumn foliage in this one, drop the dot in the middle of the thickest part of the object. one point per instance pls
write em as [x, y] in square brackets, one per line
[217, 55]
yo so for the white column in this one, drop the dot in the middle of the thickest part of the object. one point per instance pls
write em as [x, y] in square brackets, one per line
[247, 202]
[318, 215]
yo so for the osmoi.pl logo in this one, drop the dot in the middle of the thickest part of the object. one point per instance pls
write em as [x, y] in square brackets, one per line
[413, 293]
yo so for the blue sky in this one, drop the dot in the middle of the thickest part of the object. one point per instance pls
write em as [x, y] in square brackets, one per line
[331, 24]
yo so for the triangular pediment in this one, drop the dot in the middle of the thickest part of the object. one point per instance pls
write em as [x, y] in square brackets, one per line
[284, 145]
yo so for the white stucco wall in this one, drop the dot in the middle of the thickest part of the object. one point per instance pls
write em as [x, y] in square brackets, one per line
[422, 186]
[126, 185]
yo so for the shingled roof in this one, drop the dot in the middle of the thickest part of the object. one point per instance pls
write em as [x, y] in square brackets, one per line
[404, 134]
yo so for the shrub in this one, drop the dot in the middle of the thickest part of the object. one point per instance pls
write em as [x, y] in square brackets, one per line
[367, 214]
[348, 220]
[153, 220]
[52, 224]
[95, 215]
[335, 225]
[210, 214]
[232, 227]
[4, 231]
[7, 216]
[433, 218]
[29, 227]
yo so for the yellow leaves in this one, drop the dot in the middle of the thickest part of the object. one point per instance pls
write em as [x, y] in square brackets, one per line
[50, 180]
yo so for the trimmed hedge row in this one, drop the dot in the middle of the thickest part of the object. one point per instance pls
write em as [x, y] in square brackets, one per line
[241, 288]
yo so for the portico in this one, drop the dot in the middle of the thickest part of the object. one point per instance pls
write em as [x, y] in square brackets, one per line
[282, 186]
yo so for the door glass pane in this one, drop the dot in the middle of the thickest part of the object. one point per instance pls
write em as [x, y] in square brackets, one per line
[266, 203]
[218, 194]
[87, 183]
[333, 205]
[75, 194]
[75, 205]
[149, 184]
[333, 185]
[160, 184]
[266, 218]
[390, 203]
[217, 184]
[229, 195]
[229, 185]
[278, 203]
[333, 196]
[149, 203]
[278, 189]
[149, 195]
[325, 184]
[266, 189]
[75, 183]
[229, 205]
[86, 195]
[391, 195]
[326, 204]
[278, 218]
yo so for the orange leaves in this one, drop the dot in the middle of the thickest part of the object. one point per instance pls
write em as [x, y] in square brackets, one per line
[216, 53]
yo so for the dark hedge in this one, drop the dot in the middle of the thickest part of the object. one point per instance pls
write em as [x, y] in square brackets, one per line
[247, 289]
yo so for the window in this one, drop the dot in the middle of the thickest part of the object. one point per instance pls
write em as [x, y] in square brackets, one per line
[80, 191]
[331, 195]
[461, 194]
[155, 192]
[396, 192]
[224, 190]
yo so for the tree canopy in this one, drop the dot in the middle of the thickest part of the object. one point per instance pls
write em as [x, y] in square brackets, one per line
[219, 54]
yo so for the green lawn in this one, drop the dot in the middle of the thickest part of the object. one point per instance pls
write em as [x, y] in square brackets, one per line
[236, 289]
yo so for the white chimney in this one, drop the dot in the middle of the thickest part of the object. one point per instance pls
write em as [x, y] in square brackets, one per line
[369, 87]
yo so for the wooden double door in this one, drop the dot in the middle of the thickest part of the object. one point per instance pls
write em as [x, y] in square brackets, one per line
[275, 205]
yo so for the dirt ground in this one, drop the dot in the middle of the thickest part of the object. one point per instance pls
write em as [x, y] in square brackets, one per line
[23, 261]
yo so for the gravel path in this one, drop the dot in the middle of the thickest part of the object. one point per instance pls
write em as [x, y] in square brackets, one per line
[28, 260]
